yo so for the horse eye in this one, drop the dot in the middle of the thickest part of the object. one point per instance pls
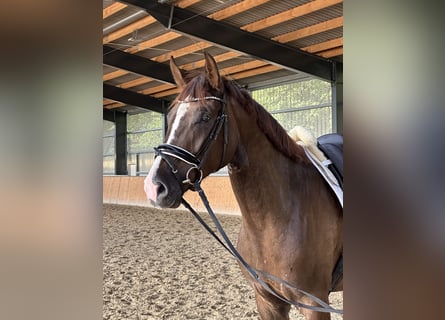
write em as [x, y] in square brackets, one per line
[205, 117]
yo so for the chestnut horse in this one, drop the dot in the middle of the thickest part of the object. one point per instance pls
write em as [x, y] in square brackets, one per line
[291, 220]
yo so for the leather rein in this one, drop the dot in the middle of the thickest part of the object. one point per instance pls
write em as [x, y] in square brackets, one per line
[167, 150]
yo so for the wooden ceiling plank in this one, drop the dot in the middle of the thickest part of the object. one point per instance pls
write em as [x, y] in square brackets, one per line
[166, 93]
[114, 74]
[309, 31]
[112, 9]
[254, 72]
[154, 42]
[135, 82]
[324, 45]
[107, 101]
[331, 53]
[199, 46]
[236, 8]
[162, 87]
[114, 105]
[186, 3]
[243, 67]
[290, 14]
[139, 24]
[219, 58]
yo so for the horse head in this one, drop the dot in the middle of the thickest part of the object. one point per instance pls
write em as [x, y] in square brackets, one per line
[200, 138]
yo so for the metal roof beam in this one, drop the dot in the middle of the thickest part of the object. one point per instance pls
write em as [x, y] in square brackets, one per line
[136, 64]
[233, 38]
[109, 115]
[132, 98]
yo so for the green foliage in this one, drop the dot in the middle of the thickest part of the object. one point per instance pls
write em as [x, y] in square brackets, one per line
[294, 95]
[295, 98]
[144, 141]
[144, 121]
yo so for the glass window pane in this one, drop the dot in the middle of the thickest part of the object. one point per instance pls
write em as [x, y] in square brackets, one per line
[108, 128]
[108, 165]
[108, 146]
[145, 161]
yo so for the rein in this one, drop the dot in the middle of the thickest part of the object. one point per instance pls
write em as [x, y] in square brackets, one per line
[167, 150]
[254, 273]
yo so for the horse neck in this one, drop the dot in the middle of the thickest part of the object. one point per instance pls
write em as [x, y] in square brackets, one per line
[262, 184]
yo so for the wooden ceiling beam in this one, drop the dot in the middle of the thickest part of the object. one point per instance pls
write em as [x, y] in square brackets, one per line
[311, 30]
[290, 14]
[112, 9]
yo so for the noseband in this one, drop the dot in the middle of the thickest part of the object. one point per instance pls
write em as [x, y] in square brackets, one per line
[197, 161]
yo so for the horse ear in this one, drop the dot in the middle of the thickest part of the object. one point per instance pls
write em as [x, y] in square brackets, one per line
[212, 72]
[177, 73]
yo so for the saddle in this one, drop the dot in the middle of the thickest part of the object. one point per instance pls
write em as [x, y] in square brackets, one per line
[332, 146]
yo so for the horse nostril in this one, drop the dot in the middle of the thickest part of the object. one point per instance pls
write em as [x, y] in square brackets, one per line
[162, 189]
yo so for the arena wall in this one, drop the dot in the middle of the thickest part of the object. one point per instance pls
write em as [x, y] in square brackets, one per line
[129, 190]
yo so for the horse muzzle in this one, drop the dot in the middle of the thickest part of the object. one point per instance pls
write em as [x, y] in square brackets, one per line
[162, 188]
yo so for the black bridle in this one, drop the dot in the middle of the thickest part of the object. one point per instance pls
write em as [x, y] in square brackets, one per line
[197, 161]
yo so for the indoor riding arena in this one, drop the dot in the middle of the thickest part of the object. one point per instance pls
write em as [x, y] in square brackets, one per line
[162, 263]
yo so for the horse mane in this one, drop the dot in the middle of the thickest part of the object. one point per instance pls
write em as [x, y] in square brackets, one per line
[271, 128]
[198, 87]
